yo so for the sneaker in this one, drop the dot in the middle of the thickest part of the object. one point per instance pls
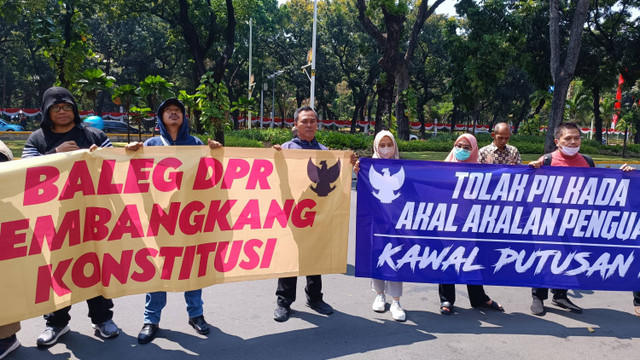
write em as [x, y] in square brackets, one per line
[565, 303]
[281, 313]
[321, 307]
[537, 308]
[379, 303]
[107, 329]
[199, 324]
[397, 312]
[51, 334]
[7, 345]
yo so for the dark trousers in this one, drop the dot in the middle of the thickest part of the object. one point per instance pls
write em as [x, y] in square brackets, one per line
[99, 312]
[286, 291]
[543, 294]
[477, 296]
[636, 298]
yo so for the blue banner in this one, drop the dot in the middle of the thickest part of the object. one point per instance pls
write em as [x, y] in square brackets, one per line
[553, 227]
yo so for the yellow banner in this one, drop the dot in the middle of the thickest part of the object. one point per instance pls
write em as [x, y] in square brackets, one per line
[113, 223]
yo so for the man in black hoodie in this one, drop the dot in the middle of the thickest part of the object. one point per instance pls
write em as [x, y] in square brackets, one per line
[62, 130]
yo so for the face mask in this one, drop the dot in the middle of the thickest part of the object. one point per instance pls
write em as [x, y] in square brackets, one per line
[461, 154]
[570, 151]
[386, 153]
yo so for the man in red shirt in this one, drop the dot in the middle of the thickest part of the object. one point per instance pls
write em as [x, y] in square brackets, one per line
[568, 140]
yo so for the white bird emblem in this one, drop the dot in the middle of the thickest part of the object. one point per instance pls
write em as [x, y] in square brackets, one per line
[386, 184]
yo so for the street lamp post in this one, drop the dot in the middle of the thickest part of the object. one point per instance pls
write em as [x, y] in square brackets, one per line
[273, 98]
[313, 56]
[250, 84]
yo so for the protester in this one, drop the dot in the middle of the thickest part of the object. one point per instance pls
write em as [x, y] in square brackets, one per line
[306, 124]
[568, 140]
[636, 302]
[61, 130]
[385, 147]
[23, 120]
[174, 130]
[8, 339]
[499, 152]
[465, 149]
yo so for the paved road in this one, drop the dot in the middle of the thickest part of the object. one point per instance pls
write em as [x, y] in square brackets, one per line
[241, 314]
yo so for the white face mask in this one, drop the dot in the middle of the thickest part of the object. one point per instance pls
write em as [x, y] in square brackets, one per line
[386, 152]
[570, 151]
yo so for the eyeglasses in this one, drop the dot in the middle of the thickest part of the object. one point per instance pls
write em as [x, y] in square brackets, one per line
[466, 147]
[58, 108]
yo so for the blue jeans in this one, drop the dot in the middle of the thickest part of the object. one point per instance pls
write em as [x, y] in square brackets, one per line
[157, 300]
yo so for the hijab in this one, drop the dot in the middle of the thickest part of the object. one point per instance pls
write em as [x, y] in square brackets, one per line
[474, 149]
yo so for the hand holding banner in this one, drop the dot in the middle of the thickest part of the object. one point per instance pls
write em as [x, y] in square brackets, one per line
[554, 227]
[112, 223]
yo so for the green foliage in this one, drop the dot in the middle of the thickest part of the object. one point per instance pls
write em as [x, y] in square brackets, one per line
[236, 141]
[126, 94]
[94, 81]
[244, 105]
[267, 136]
[213, 101]
[155, 88]
[531, 126]
[337, 140]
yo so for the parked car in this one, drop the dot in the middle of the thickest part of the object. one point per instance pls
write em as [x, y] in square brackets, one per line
[4, 126]
[118, 127]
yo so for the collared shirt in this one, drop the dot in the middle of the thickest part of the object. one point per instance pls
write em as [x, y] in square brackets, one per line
[297, 143]
[491, 154]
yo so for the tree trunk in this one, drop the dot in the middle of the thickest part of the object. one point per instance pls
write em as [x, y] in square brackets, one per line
[597, 122]
[68, 34]
[401, 118]
[454, 118]
[191, 37]
[422, 100]
[523, 113]
[557, 110]
[403, 65]
[385, 98]
[562, 74]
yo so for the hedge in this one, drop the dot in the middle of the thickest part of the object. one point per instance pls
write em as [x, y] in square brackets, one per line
[362, 144]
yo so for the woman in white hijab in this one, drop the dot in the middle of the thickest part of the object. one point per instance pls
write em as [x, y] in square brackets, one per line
[385, 147]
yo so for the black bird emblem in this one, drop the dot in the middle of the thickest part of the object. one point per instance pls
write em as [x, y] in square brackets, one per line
[323, 176]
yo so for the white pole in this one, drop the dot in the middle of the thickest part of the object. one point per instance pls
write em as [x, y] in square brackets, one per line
[264, 85]
[273, 104]
[591, 129]
[249, 112]
[313, 56]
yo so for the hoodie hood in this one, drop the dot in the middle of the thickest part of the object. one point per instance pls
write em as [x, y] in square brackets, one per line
[57, 95]
[183, 137]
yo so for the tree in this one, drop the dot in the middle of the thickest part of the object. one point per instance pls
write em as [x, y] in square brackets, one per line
[355, 54]
[562, 72]
[395, 63]
[154, 88]
[126, 95]
[61, 30]
[607, 45]
[92, 82]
